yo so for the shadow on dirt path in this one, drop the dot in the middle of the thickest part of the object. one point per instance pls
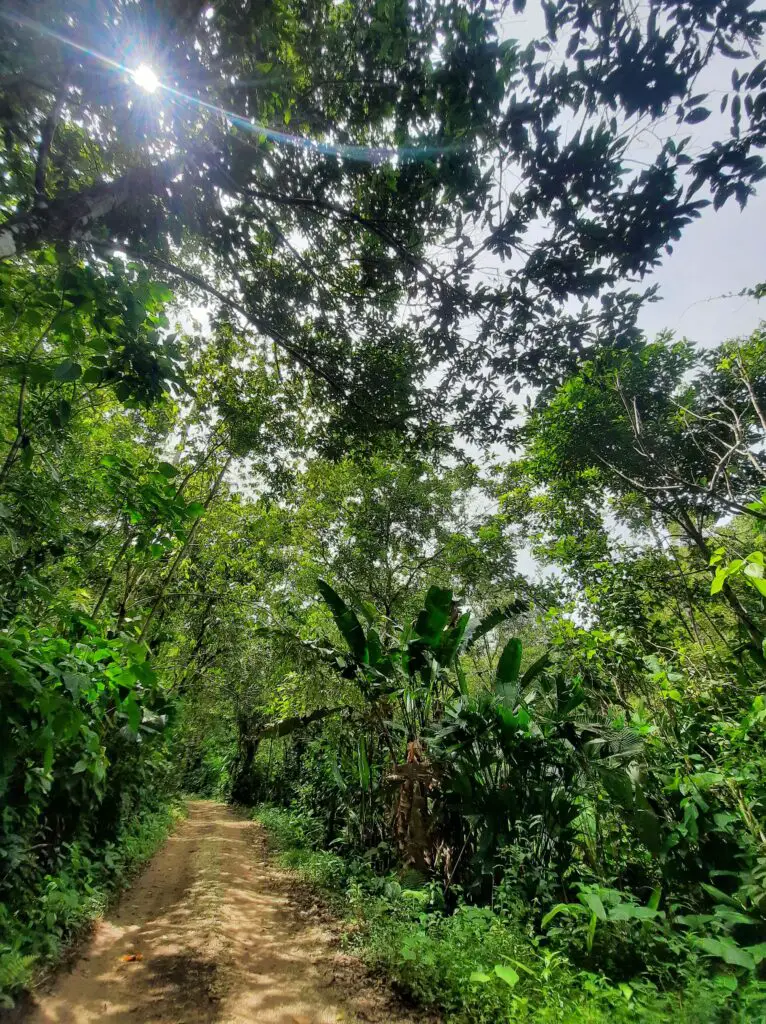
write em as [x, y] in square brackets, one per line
[217, 942]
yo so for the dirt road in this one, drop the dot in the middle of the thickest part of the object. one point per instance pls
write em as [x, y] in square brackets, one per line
[220, 942]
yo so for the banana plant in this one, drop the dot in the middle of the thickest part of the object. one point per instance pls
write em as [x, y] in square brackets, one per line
[419, 664]
[420, 661]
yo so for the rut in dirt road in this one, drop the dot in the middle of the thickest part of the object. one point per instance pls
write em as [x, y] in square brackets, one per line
[218, 941]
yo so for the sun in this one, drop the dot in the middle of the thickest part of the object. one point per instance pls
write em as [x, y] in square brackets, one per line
[145, 78]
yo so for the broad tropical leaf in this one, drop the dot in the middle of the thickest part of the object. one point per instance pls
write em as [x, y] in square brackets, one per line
[493, 619]
[346, 621]
[507, 675]
[434, 616]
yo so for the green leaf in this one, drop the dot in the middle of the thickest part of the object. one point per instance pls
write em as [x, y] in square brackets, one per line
[721, 896]
[451, 641]
[75, 682]
[694, 920]
[534, 670]
[593, 903]
[717, 556]
[757, 952]
[697, 115]
[560, 908]
[67, 371]
[434, 616]
[654, 900]
[591, 934]
[494, 618]
[523, 967]
[364, 764]
[506, 974]
[630, 912]
[728, 951]
[346, 621]
[339, 780]
[133, 711]
[39, 373]
[619, 786]
[369, 611]
[507, 675]
[462, 678]
[374, 648]
[647, 825]
[479, 977]
[718, 581]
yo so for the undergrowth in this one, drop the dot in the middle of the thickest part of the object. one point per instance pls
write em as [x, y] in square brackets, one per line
[65, 903]
[481, 966]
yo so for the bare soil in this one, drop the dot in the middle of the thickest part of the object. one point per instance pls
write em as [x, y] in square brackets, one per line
[220, 936]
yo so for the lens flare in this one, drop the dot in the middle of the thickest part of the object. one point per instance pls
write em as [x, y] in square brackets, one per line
[145, 78]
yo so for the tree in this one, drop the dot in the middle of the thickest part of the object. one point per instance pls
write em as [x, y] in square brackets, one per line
[383, 528]
[332, 156]
[634, 434]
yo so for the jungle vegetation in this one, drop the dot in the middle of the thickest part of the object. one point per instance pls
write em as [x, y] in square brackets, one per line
[267, 477]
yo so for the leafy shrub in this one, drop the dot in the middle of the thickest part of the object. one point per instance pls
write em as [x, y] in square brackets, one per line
[295, 835]
[479, 966]
[61, 904]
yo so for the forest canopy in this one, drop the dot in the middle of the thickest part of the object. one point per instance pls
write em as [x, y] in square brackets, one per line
[273, 278]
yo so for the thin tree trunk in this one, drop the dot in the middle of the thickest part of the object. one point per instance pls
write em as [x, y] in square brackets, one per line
[21, 436]
[71, 216]
[110, 577]
[46, 142]
[197, 644]
[751, 391]
[183, 551]
[699, 541]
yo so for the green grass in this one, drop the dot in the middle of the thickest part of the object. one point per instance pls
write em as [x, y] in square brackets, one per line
[293, 838]
[59, 909]
[481, 967]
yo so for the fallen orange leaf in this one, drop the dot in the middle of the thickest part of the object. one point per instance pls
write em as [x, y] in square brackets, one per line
[130, 957]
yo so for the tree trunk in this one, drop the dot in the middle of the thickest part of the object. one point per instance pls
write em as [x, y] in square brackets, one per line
[183, 551]
[70, 217]
[698, 539]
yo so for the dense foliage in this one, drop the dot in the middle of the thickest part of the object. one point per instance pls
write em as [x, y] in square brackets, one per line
[246, 552]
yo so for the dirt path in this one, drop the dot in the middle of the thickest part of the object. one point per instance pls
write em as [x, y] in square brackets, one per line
[220, 943]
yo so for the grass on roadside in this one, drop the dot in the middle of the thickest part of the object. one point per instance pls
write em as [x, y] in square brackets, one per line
[481, 967]
[59, 910]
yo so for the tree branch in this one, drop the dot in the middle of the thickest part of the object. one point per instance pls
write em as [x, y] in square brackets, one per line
[252, 318]
[46, 141]
[70, 217]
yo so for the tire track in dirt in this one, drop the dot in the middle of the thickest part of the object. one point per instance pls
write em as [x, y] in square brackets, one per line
[220, 943]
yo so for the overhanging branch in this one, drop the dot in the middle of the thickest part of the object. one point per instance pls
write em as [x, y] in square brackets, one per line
[232, 303]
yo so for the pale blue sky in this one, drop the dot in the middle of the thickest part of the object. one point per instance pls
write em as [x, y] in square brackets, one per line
[722, 252]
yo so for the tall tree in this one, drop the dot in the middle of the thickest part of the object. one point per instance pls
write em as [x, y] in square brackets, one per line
[311, 165]
[662, 437]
